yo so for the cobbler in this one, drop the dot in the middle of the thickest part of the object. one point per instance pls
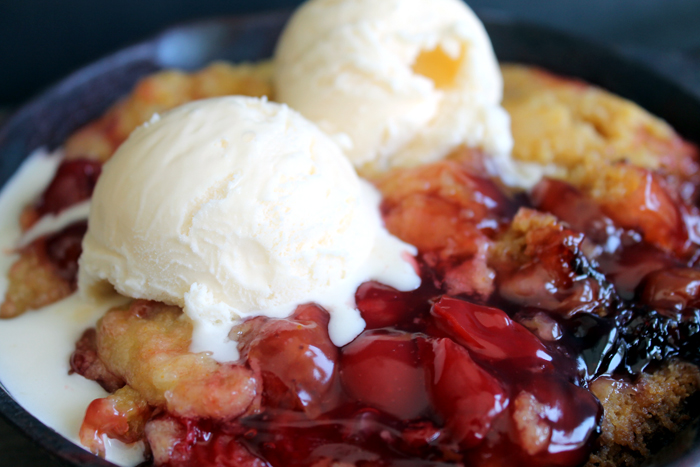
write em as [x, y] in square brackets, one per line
[554, 327]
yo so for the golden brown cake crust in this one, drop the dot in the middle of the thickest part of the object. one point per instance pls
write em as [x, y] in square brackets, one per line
[32, 282]
[641, 417]
[576, 128]
[163, 91]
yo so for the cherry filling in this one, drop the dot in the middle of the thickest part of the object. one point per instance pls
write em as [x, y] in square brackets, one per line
[450, 381]
[457, 373]
[63, 249]
[73, 182]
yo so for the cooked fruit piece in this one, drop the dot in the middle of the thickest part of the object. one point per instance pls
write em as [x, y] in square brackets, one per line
[73, 182]
[556, 421]
[147, 344]
[617, 205]
[295, 357]
[637, 199]
[491, 335]
[120, 416]
[185, 443]
[450, 215]
[580, 212]
[382, 369]
[464, 394]
[383, 306]
[539, 263]
[672, 289]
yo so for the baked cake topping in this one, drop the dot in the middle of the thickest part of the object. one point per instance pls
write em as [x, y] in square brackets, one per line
[557, 326]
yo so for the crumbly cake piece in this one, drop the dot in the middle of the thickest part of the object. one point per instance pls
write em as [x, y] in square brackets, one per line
[163, 91]
[642, 416]
[573, 127]
[33, 282]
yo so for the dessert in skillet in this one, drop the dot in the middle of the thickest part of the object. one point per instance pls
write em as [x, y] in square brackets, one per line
[494, 317]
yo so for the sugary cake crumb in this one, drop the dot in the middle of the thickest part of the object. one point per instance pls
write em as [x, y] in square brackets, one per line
[642, 416]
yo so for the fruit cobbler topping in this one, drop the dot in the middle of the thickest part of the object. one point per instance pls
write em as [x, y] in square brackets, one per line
[490, 362]
[553, 327]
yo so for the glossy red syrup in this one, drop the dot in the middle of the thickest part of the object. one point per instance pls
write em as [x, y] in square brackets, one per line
[440, 377]
[436, 388]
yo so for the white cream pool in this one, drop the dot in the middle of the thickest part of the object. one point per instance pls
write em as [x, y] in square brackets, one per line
[35, 348]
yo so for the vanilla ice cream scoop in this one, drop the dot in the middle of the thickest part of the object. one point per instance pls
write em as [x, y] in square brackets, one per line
[395, 82]
[235, 207]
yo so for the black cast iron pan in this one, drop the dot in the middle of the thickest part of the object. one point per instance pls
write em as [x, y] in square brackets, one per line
[50, 118]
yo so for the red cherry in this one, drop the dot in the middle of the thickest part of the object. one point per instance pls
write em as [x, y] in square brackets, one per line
[568, 413]
[464, 394]
[383, 306]
[672, 289]
[297, 359]
[571, 206]
[64, 248]
[74, 182]
[489, 333]
[178, 442]
[650, 209]
[382, 369]
[628, 267]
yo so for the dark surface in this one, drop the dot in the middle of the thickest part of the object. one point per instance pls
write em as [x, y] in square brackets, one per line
[524, 43]
[43, 40]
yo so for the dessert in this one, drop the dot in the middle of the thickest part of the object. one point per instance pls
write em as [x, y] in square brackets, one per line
[553, 326]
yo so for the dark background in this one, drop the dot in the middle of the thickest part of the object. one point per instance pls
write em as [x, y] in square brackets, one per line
[43, 40]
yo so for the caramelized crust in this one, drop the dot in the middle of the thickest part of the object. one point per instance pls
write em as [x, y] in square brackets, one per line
[641, 417]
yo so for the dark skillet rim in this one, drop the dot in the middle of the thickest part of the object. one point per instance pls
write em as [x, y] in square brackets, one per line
[555, 51]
